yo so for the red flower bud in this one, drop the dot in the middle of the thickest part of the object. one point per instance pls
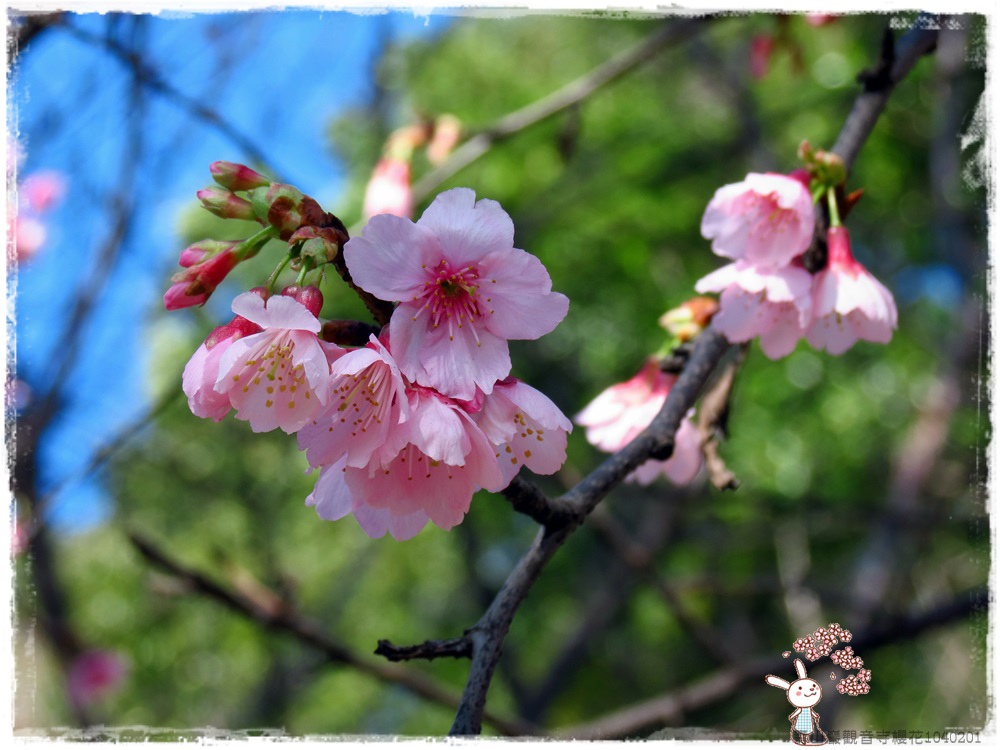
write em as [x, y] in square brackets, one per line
[309, 296]
[237, 177]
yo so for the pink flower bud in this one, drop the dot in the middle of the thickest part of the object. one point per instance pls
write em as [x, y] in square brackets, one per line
[237, 177]
[225, 204]
[761, 49]
[447, 131]
[202, 251]
[194, 285]
[309, 296]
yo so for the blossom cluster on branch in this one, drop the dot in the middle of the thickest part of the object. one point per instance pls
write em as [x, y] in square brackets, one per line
[404, 429]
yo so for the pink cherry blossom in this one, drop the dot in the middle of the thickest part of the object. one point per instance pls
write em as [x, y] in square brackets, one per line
[767, 220]
[463, 288]
[43, 190]
[848, 302]
[279, 377]
[202, 370]
[431, 464]
[621, 412]
[29, 236]
[95, 674]
[368, 400]
[388, 190]
[774, 304]
[526, 428]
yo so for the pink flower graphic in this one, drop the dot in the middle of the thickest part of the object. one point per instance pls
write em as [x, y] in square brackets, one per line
[767, 220]
[621, 412]
[463, 288]
[773, 304]
[526, 428]
[848, 302]
[279, 377]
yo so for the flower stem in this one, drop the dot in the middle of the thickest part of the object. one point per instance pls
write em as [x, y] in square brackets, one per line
[277, 272]
[831, 199]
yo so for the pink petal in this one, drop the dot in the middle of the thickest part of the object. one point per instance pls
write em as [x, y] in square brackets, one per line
[518, 298]
[468, 230]
[391, 258]
[198, 382]
[331, 496]
[277, 312]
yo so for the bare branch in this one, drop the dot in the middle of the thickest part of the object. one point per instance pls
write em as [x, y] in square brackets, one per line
[568, 96]
[276, 613]
[656, 440]
[897, 59]
[457, 648]
[712, 417]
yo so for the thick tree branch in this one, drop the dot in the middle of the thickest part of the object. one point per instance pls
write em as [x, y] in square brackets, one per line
[273, 612]
[568, 96]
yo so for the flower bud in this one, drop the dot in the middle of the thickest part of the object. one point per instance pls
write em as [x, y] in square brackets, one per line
[308, 296]
[194, 285]
[447, 131]
[202, 251]
[690, 319]
[237, 177]
[225, 204]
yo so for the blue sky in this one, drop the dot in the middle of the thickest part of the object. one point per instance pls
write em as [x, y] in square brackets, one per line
[279, 77]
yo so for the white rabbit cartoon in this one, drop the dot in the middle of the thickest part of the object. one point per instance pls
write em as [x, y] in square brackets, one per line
[804, 693]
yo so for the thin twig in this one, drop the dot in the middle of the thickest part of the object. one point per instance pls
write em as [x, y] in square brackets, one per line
[456, 648]
[568, 96]
[712, 417]
[275, 613]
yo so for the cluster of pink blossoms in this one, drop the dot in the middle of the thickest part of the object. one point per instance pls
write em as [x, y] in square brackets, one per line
[405, 429]
[765, 224]
[621, 412]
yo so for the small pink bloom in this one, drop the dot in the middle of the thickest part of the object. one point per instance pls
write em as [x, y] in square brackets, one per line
[194, 285]
[463, 288]
[43, 190]
[761, 49]
[279, 377]
[526, 428]
[202, 370]
[617, 416]
[388, 190]
[236, 177]
[95, 674]
[29, 237]
[848, 302]
[368, 400]
[767, 220]
[429, 468]
[772, 304]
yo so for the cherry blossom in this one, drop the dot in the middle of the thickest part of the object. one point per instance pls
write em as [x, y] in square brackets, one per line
[368, 400]
[202, 371]
[621, 412]
[848, 302]
[767, 219]
[774, 304]
[195, 284]
[93, 675]
[388, 190]
[429, 468]
[279, 377]
[463, 288]
[526, 428]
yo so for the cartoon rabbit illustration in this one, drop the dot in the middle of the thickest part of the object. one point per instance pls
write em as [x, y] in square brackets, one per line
[804, 693]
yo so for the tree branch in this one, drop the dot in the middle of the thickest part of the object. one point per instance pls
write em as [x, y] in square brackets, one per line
[897, 59]
[457, 648]
[489, 633]
[273, 612]
[568, 96]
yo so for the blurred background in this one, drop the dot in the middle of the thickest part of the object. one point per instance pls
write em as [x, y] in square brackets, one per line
[167, 572]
